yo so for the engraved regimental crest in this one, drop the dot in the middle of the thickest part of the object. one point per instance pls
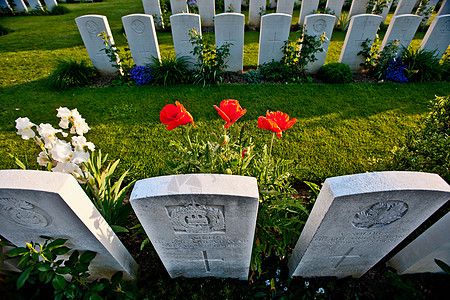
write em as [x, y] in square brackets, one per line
[380, 214]
[23, 213]
[197, 218]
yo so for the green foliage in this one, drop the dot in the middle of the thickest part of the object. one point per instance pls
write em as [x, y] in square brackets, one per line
[253, 76]
[108, 197]
[170, 70]
[59, 10]
[344, 21]
[428, 148]
[42, 270]
[442, 265]
[211, 60]
[278, 72]
[376, 6]
[72, 73]
[424, 10]
[4, 30]
[376, 61]
[423, 65]
[335, 73]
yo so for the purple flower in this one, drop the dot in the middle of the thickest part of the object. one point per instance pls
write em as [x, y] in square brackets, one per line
[141, 75]
[396, 71]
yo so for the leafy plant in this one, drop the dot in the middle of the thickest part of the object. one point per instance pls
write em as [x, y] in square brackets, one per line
[422, 65]
[396, 71]
[253, 76]
[424, 10]
[4, 30]
[59, 10]
[42, 270]
[343, 21]
[376, 61]
[170, 70]
[335, 73]
[428, 148]
[211, 60]
[442, 265]
[108, 197]
[72, 73]
[141, 75]
[377, 6]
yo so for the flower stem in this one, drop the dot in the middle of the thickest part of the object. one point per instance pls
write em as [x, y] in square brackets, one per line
[188, 137]
[271, 144]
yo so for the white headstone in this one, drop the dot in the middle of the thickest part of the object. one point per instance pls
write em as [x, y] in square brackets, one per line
[179, 6]
[5, 7]
[430, 5]
[90, 26]
[256, 10]
[306, 9]
[35, 5]
[141, 35]
[232, 6]
[386, 9]
[274, 32]
[199, 224]
[39, 203]
[358, 7]
[315, 25]
[358, 219]
[153, 8]
[285, 7]
[401, 28]
[229, 28]
[272, 3]
[445, 8]
[20, 6]
[181, 25]
[335, 6]
[437, 37]
[404, 7]
[50, 4]
[361, 27]
[206, 10]
[419, 256]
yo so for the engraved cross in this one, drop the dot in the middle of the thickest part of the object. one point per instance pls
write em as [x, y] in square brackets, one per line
[206, 261]
[342, 257]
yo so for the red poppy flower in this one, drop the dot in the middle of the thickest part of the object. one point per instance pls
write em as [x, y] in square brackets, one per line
[174, 116]
[276, 122]
[230, 111]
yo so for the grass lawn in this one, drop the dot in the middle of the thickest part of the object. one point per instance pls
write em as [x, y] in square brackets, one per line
[340, 129]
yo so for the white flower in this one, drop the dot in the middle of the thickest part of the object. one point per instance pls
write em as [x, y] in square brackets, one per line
[267, 282]
[79, 125]
[43, 159]
[48, 134]
[320, 291]
[66, 167]
[79, 142]
[61, 151]
[79, 157]
[306, 283]
[23, 126]
[63, 113]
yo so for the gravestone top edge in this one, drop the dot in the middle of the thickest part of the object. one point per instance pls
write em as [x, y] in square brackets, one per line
[183, 15]
[385, 181]
[407, 15]
[276, 14]
[322, 15]
[52, 183]
[196, 184]
[90, 16]
[367, 15]
[136, 15]
[229, 14]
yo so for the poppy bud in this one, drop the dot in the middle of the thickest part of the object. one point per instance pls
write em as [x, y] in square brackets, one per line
[223, 140]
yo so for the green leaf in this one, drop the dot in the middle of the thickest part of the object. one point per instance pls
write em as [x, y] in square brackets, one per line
[23, 277]
[43, 267]
[118, 228]
[98, 287]
[63, 270]
[60, 251]
[59, 283]
[95, 297]
[72, 259]
[442, 265]
[56, 244]
[17, 251]
[87, 257]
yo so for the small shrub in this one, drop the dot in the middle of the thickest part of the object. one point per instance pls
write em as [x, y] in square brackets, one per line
[335, 73]
[253, 76]
[344, 21]
[59, 10]
[170, 70]
[428, 148]
[274, 71]
[376, 61]
[396, 71]
[4, 30]
[423, 65]
[72, 73]
[141, 75]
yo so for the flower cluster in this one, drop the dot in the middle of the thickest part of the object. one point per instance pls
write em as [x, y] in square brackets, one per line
[396, 71]
[141, 75]
[191, 2]
[58, 154]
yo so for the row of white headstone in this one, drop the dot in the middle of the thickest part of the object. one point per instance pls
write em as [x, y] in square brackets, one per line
[204, 224]
[20, 6]
[257, 8]
[274, 31]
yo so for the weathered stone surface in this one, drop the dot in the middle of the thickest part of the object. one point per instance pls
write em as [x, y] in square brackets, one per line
[200, 224]
[153, 8]
[35, 5]
[306, 9]
[229, 28]
[335, 6]
[181, 24]
[419, 256]
[141, 35]
[256, 10]
[404, 7]
[358, 7]
[401, 28]
[285, 7]
[20, 6]
[206, 10]
[315, 25]
[37, 203]
[232, 6]
[437, 37]
[274, 32]
[361, 27]
[90, 26]
[179, 6]
[50, 4]
[358, 219]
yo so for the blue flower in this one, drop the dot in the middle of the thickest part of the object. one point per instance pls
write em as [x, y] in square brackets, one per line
[192, 2]
[141, 75]
[396, 71]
